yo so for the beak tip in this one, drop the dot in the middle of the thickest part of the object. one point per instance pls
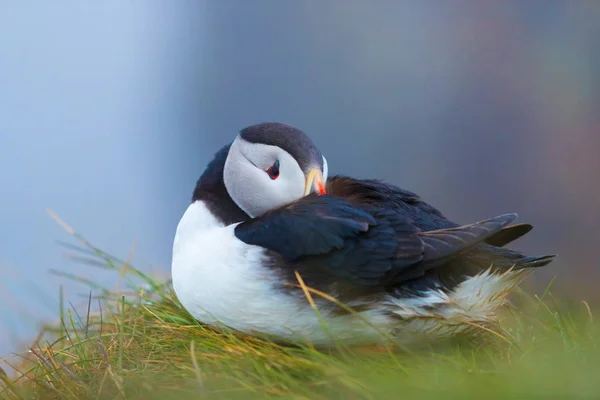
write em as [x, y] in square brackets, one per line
[322, 188]
[314, 183]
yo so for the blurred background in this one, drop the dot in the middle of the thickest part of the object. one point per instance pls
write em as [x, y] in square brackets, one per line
[110, 111]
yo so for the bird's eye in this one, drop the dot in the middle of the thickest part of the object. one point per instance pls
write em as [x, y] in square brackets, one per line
[273, 170]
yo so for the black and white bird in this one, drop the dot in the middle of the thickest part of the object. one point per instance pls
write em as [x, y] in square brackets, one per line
[265, 213]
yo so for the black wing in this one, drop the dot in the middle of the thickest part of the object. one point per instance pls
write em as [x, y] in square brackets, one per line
[310, 226]
[367, 245]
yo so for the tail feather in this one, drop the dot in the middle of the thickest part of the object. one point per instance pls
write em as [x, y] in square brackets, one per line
[508, 234]
[534, 261]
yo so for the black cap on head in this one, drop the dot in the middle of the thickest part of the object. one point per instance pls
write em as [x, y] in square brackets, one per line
[288, 138]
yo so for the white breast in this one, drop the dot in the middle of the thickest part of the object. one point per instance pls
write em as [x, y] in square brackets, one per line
[219, 278]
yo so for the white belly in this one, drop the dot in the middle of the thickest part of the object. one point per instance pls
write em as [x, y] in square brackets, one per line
[218, 278]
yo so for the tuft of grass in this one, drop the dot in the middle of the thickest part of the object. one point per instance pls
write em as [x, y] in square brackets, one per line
[139, 343]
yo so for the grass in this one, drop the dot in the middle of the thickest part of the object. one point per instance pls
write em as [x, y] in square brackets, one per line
[141, 344]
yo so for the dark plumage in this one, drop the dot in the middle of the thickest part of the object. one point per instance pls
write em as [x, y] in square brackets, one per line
[375, 236]
[211, 190]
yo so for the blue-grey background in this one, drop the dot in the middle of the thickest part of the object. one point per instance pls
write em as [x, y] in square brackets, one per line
[110, 110]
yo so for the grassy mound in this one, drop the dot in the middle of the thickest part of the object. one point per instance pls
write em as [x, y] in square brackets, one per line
[144, 345]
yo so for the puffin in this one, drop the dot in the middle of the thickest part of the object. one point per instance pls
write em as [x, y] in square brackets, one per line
[271, 245]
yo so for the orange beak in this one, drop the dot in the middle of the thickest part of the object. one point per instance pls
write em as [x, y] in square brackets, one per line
[314, 182]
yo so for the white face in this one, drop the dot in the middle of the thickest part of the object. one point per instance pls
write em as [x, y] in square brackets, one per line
[251, 180]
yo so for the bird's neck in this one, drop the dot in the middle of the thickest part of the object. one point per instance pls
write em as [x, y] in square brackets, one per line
[210, 189]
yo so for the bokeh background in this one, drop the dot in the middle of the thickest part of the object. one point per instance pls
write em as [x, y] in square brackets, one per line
[110, 110]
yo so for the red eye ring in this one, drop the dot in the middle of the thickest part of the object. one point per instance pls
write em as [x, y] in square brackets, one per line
[273, 170]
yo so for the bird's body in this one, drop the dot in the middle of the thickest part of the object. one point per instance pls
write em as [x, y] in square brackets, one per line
[404, 270]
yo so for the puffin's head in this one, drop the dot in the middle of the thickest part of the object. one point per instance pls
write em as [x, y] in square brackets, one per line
[270, 165]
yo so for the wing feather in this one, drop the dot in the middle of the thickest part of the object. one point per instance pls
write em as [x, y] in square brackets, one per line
[365, 242]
